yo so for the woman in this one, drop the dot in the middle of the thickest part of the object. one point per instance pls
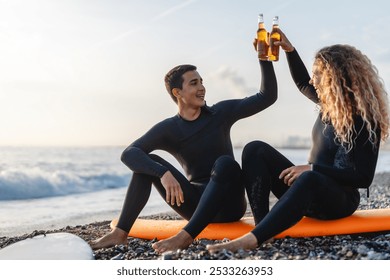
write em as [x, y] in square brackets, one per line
[199, 138]
[353, 119]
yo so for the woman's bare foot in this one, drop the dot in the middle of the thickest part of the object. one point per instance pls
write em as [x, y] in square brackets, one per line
[179, 241]
[247, 241]
[116, 237]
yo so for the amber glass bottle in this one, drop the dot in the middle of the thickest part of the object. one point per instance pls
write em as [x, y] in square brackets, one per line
[262, 39]
[274, 36]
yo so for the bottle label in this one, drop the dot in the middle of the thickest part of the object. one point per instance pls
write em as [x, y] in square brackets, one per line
[263, 45]
[274, 50]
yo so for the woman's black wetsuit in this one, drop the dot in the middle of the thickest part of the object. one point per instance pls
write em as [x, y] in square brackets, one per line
[213, 189]
[329, 191]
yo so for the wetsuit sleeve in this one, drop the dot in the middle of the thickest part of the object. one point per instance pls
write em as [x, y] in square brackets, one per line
[364, 157]
[136, 155]
[242, 108]
[300, 75]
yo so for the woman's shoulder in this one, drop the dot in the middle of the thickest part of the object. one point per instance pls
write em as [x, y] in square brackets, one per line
[359, 123]
[366, 132]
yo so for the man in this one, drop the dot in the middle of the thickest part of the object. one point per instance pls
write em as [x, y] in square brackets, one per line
[199, 138]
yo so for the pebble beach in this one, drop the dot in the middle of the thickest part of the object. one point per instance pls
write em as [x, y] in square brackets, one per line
[372, 246]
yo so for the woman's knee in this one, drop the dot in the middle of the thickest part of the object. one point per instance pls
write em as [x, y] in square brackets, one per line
[254, 149]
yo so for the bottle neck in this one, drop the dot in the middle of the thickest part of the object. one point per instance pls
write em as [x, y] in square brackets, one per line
[260, 21]
[261, 25]
[275, 22]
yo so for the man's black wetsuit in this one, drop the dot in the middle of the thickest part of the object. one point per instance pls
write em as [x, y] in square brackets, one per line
[329, 191]
[203, 148]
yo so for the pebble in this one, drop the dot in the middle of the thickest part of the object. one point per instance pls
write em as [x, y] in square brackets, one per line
[339, 247]
[325, 248]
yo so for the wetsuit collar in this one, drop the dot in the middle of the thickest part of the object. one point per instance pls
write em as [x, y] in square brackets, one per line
[204, 109]
[208, 109]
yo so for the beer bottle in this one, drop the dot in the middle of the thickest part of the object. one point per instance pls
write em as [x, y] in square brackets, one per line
[262, 39]
[273, 54]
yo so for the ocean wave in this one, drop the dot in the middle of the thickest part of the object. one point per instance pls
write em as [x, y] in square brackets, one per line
[29, 184]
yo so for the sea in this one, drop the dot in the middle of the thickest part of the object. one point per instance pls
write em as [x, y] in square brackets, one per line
[43, 188]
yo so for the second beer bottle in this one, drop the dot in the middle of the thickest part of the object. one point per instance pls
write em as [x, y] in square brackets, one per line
[273, 53]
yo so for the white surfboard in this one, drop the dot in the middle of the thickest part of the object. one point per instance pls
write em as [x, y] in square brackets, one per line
[53, 246]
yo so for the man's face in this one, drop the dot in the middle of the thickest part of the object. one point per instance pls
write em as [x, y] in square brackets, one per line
[193, 92]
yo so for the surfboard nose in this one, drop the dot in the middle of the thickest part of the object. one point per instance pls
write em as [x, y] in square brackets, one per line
[53, 246]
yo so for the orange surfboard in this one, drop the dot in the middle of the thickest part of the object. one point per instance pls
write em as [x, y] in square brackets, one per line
[362, 221]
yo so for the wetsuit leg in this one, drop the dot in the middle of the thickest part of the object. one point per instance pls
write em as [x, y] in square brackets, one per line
[191, 192]
[312, 194]
[139, 191]
[223, 199]
[261, 166]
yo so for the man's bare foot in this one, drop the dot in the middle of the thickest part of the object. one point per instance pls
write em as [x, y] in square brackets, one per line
[115, 237]
[179, 241]
[247, 241]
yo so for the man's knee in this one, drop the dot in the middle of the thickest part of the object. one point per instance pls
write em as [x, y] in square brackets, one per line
[226, 168]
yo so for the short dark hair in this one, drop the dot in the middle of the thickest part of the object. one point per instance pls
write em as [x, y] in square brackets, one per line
[174, 78]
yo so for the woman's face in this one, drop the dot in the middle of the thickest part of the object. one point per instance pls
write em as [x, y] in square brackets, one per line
[317, 76]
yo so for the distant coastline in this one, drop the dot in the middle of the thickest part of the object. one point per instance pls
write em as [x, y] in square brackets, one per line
[301, 143]
[292, 147]
[277, 146]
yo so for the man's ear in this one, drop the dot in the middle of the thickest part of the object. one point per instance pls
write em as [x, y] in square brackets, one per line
[176, 92]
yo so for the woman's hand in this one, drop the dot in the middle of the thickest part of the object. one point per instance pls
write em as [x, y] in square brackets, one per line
[289, 175]
[174, 193]
[255, 43]
[284, 43]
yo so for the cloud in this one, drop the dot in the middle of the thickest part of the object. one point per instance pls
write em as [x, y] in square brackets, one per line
[235, 84]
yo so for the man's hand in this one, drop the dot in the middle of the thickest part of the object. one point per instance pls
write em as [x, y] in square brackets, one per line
[174, 193]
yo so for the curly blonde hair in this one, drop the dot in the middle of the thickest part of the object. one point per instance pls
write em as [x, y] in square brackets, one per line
[350, 86]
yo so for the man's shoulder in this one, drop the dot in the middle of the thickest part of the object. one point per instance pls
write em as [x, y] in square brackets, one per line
[166, 122]
[222, 105]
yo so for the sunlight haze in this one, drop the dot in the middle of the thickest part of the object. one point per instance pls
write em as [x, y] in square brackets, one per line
[88, 73]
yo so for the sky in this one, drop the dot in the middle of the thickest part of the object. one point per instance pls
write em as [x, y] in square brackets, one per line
[90, 72]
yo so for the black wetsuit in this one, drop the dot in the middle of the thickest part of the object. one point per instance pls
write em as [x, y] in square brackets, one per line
[329, 191]
[203, 148]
